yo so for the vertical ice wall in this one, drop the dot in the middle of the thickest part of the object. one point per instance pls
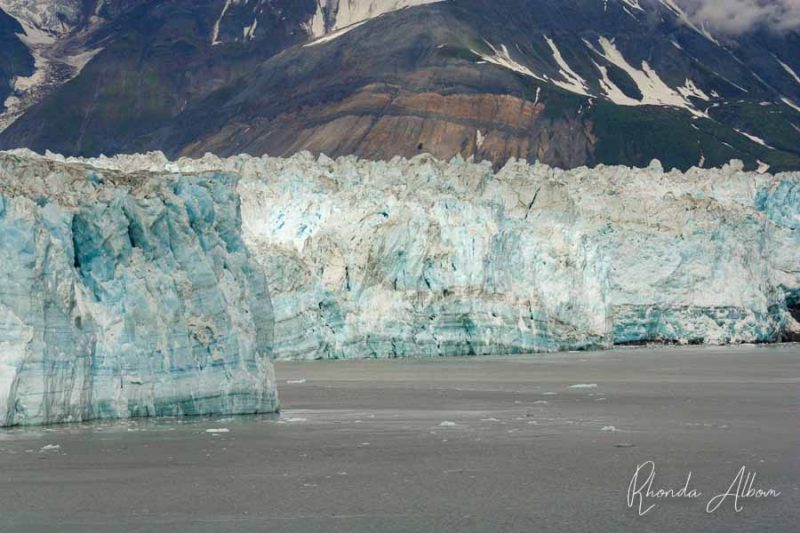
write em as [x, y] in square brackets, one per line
[422, 257]
[427, 258]
[127, 295]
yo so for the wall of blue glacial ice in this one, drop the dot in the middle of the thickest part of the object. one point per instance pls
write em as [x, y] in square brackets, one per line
[421, 257]
[127, 294]
[426, 258]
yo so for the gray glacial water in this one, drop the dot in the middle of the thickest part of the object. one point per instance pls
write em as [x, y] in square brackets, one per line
[534, 443]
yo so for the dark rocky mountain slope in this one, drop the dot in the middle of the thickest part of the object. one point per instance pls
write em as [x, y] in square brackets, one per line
[16, 60]
[566, 82]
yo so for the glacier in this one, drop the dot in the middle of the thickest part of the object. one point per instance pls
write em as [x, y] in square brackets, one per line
[136, 286]
[422, 257]
[127, 295]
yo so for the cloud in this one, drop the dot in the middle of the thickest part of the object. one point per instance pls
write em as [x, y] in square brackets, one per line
[740, 16]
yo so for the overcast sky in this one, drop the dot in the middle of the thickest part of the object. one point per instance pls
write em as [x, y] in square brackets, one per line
[738, 16]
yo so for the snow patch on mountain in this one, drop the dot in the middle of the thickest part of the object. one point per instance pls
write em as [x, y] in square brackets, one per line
[572, 81]
[789, 69]
[333, 16]
[634, 4]
[685, 19]
[690, 90]
[790, 103]
[334, 35]
[501, 57]
[247, 31]
[653, 89]
[757, 140]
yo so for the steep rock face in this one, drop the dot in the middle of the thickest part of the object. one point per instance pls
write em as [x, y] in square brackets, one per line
[422, 257]
[380, 124]
[127, 295]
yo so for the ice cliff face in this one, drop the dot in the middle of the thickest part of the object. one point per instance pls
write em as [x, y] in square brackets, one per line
[127, 295]
[421, 257]
[429, 258]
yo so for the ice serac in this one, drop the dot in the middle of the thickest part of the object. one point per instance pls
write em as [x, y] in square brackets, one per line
[423, 257]
[127, 295]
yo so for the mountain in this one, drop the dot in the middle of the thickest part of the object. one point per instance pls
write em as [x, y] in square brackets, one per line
[16, 61]
[565, 82]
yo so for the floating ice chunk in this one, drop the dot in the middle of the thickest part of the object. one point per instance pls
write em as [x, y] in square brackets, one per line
[218, 431]
[584, 386]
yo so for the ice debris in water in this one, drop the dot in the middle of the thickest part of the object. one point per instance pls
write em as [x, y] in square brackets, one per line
[294, 419]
